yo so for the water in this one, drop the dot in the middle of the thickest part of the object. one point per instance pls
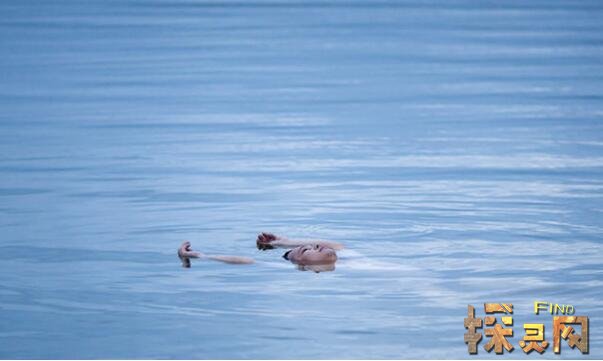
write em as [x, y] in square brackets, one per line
[456, 149]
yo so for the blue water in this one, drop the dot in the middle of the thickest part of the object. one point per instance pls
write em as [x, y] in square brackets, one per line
[455, 147]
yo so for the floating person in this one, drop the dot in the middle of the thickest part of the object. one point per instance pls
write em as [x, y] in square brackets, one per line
[315, 255]
[185, 253]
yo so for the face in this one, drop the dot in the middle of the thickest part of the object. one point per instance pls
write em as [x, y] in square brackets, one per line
[312, 254]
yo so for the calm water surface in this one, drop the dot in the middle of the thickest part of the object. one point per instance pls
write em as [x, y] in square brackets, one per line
[456, 148]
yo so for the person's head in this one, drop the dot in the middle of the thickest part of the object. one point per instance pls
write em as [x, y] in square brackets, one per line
[311, 254]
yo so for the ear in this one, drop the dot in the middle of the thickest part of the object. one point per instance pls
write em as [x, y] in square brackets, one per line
[286, 255]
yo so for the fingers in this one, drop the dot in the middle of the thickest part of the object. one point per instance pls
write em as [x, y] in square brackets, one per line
[185, 250]
[271, 237]
[190, 254]
[261, 239]
[264, 239]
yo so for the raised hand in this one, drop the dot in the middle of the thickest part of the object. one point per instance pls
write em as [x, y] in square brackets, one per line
[185, 251]
[266, 241]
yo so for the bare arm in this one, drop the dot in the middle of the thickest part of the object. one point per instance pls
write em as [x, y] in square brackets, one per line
[232, 259]
[269, 241]
[185, 253]
[292, 243]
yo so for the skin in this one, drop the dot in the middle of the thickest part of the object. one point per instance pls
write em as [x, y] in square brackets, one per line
[311, 254]
[317, 255]
[270, 241]
[185, 253]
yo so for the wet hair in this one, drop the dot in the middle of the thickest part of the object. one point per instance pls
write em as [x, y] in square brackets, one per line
[286, 255]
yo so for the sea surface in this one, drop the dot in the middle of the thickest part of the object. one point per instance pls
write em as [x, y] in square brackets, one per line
[454, 147]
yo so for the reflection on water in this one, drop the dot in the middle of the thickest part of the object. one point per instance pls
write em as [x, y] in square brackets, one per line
[455, 149]
[317, 268]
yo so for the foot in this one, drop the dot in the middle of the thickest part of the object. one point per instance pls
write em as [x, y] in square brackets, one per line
[265, 241]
